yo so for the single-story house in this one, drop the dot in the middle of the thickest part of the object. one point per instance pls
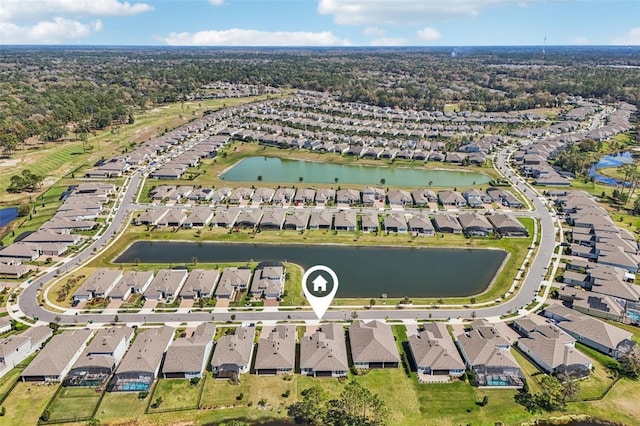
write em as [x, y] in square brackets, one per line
[297, 221]
[248, 218]
[434, 352]
[506, 225]
[475, 224]
[373, 345]
[324, 353]
[166, 284]
[98, 285]
[272, 219]
[131, 283]
[14, 349]
[345, 220]
[200, 284]
[447, 222]
[225, 218]
[320, 220]
[187, 356]
[276, 350]
[233, 353]
[396, 223]
[232, 280]
[369, 222]
[420, 224]
[451, 199]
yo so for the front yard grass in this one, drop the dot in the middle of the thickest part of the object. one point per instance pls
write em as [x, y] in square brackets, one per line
[176, 394]
[73, 402]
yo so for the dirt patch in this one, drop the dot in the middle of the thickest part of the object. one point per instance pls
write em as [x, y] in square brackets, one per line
[10, 162]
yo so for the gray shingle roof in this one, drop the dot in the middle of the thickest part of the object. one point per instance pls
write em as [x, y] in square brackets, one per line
[235, 349]
[277, 350]
[372, 342]
[147, 350]
[324, 350]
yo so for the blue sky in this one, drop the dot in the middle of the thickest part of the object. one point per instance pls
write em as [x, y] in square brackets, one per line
[320, 22]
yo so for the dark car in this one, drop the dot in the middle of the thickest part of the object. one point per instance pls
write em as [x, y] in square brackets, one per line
[74, 303]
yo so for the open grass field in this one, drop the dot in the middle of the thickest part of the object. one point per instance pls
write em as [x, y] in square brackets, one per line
[121, 406]
[72, 403]
[26, 403]
[176, 394]
[8, 380]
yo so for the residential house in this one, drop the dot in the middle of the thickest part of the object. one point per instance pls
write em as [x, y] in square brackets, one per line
[231, 281]
[225, 218]
[369, 222]
[422, 197]
[248, 218]
[100, 358]
[396, 223]
[420, 224]
[262, 195]
[451, 199]
[283, 195]
[20, 250]
[272, 219]
[371, 195]
[151, 217]
[475, 224]
[140, 366]
[434, 352]
[297, 221]
[233, 353]
[240, 194]
[475, 197]
[187, 357]
[325, 196]
[506, 225]
[345, 220]
[166, 285]
[200, 284]
[199, 218]
[98, 285]
[447, 222]
[268, 280]
[276, 350]
[319, 220]
[221, 194]
[304, 196]
[348, 197]
[133, 282]
[54, 360]
[399, 198]
[14, 349]
[324, 353]
[504, 197]
[373, 345]
[174, 218]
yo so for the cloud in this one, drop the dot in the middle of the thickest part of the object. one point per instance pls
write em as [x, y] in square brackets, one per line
[428, 34]
[25, 10]
[242, 37]
[388, 41]
[216, 2]
[631, 38]
[579, 40]
[404, 12]
[374, 32]
[57, 30]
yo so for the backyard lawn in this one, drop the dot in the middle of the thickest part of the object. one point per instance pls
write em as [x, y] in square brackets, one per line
[176, 394]
[73, 402]
[26, 403]
[121, 406]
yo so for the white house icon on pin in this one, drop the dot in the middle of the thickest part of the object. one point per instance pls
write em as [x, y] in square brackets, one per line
[319, 284]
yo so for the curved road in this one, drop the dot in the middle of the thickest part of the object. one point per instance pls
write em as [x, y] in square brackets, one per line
[28, 303]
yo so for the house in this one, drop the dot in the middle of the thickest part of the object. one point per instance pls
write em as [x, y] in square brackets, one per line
[262, 195]
[447, 222]
[225, 218]
[100, 358]
[272, 220]
[304, 196]
[373, 345]
[325, 196]
[132, 282]
[268, 280]
[487, 353]
[320, 220]
[420, 224]
[504, 197]
[297, 221]
[284, 195]
[166, 285]
[240, 194]
[371, 195]
[369, 222]
[474, 224]
[13, 268]
[231, 281]
[20, 250]
[276, 350]
[324, 353]
[592, 332]
[434, 352]
[201, 194]
[348, 197]
[506, 225]
[476, 198]
[345, 220]
[54, 360]
[399, 198]
[422, 197]
[221, 194]
[141, 364]
[451, 199]
[98, 284]
[199, 218]
[552, 349]
[233, 353]
[151, 217]
[187, 357]
[14, 349]
[200, 284]
[248, 218]
[396, 223]
[174, 218]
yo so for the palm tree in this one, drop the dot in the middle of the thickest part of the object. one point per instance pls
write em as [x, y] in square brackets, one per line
[335, 179]
[259, 178]
[430, 182]
[382, 181]
[300, 178]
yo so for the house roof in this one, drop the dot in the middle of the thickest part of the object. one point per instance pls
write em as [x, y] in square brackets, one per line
[135, 279]
[372, 342]
[231, 278]
[395, 220]
[99, 352]
[147, 350]
[345, 218]
[298, 219]
[167, 281]
[187, 354]
[235, 349]
[200, 280]
[434, 348]
[273, 218]
[446, 220]
[321, 218]
[324, 350]
[504, 221]
[56, 355]
[370, 220]
[277, 348]
[483, 345]
[474, 220]
[33, 335]
[552, 347]
[100, 281]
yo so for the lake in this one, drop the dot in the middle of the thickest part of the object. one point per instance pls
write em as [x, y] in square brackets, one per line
[362, 271]
[609, 161]
[8, 215]
[289, 171]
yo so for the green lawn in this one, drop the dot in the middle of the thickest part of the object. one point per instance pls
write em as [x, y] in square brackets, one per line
[73, 402]
[26, 403]
[176, 394]
[530, 370]
[220, 393]
[8, 380]
[600, 378]
[121, 406]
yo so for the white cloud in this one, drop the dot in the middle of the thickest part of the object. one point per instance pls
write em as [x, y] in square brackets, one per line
[404, 12]
[374, 32]
[428, 34]
[57, 30]
[579, 40]
[388, 41]
[631, 38]
[216, 2]
[24, 10]
[242, 37]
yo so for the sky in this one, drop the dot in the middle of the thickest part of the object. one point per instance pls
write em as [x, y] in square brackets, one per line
[320, 22]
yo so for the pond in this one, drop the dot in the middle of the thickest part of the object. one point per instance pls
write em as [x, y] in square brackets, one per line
[290, 171]
[609, 161]
[8, 215]
[362, 271]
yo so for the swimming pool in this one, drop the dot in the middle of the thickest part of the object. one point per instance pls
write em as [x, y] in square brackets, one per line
[133, 386]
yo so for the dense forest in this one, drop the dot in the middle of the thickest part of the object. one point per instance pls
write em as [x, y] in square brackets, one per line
[51, 92]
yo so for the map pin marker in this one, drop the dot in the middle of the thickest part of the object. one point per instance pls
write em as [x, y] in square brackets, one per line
[322, 288]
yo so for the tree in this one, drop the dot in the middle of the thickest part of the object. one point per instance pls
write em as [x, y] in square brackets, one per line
[259, 178]
[383, 181]
[335, 179]
[8, 143]
[300, 179]
[630, 363]
[552, 396]
[311, 409]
